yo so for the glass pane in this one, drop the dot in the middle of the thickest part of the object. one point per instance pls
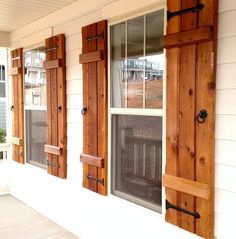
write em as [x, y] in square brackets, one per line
[118, 68]
[2, 115]
[35, 77]
[35, 136]
[135, 65]
[154, 60]
[138, 156]
[2, 90]
[2, 73]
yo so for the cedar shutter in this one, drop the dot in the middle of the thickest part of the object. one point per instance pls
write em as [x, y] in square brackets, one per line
[191, 67]
[17, 107]
[94, 60]
[56, 105]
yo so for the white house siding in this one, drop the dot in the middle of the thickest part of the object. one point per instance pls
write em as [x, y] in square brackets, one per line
[89, 215]
[225, 146]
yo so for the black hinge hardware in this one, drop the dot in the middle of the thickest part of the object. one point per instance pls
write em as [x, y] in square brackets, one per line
[53, 164]
[51, 49]
[15, 58]
[12, 107]
[198, 8]
[96, 179]
[95, 37]
[196, 215]
[59, 108]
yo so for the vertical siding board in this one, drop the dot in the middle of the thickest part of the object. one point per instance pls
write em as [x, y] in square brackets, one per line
[85, 104]
[92, 107]
[54, 104]
[172, 111]
[206, 73]
[186, 115]
[61, 89]
[18, 103]
[102, 106]
[48, 44]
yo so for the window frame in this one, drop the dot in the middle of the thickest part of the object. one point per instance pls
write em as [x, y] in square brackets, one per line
[32, 108]
[135, 111]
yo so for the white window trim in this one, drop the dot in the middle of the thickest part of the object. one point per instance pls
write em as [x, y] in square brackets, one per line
[130, 111]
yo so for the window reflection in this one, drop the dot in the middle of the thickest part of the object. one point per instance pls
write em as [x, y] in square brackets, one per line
[35, 77]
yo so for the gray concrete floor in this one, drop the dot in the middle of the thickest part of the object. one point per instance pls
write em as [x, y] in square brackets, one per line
[19, 221]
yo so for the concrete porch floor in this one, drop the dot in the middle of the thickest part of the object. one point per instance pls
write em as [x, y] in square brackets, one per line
[19, 221]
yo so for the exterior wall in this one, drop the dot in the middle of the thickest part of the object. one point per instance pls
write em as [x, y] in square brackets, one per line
[225, 144]
[4, 39]
[91, 216]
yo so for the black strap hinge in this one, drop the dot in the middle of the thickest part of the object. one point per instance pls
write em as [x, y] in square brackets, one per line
[96, 179]
[53, 164]
[198, 8]
[51, 49]
[196, 215]
[95, 37]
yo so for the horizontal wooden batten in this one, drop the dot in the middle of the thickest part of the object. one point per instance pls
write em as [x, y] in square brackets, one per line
[15, 71]
[91, 57]
[190, 37]
[16, 141]
[92, 160]
[52, 64]
[194, 188]
[50, 149]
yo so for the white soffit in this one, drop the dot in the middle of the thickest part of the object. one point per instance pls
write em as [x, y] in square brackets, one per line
[15, 14]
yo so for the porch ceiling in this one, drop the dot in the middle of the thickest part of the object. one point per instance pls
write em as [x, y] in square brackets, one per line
[15, 13]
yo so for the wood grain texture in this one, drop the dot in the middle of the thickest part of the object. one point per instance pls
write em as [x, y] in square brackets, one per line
[52, 64]
[190, 37]
[191, 187]
[172, 110]
[18, 104]
[56, 105]
[94, 59]
[91, 57]
[15, 71]
[191, 74]
[92, 160]
[50, 149]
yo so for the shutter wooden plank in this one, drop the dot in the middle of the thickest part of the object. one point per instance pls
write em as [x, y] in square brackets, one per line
[61, 88]
[102, 105]
[56, 106]
[86, 103]
[93, 109]
[50, 149]
[190, 37]
[21, 103]
[172, 111]
[186, 152]
[18, 104]
[187, 186]
[195, 141]
[15, 71]
[52, 63]
[92, 160]
[16, 141]
[95, 100]
[48, 44]
[91, 57]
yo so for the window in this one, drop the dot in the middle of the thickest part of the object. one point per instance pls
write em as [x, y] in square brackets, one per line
[136, 108]
[35, 106]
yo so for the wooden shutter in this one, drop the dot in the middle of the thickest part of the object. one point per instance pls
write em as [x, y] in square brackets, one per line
[56, 105]
[17, 107]
[191, 67]
[94, 60]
